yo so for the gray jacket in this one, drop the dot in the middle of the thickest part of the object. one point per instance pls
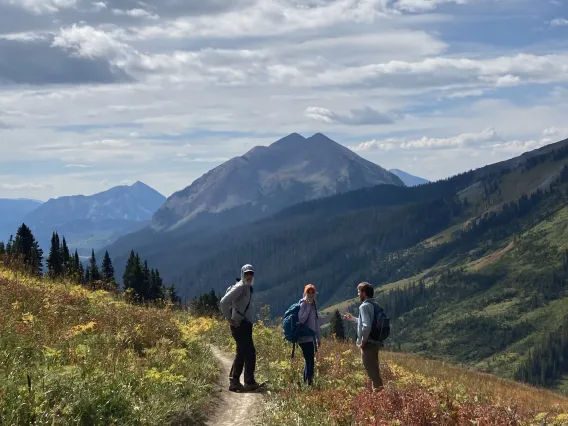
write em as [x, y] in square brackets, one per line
[235, 301]
[367, 312]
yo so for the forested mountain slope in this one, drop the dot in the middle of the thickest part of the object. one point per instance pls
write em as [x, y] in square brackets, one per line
[380, 234]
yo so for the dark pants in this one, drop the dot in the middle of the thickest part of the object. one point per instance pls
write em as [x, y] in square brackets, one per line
[308, 349]
[245, 356]
[370, 357]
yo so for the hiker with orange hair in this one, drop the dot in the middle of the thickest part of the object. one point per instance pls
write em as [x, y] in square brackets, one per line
[308, 315]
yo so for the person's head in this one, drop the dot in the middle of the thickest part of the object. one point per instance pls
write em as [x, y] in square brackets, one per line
[365, 291]
[310, 292]
[247, 274]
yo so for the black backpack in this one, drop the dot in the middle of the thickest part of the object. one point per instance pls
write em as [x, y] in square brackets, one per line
[380, 329]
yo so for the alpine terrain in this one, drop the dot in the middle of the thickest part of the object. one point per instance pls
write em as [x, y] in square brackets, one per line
[256, 185]
[471, 269]
[90, 222]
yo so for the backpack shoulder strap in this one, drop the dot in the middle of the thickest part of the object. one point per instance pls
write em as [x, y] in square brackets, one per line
[250, 298]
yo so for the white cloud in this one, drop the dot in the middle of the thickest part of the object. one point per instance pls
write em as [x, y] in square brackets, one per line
[223, 77]
[41, 6]
[559, 22]
[86, 41]
[99, 5]
[271, 18]
[29, 36]
[136, 13]
[356, 117]
[460, 141]
[423, 5]
[25, 186]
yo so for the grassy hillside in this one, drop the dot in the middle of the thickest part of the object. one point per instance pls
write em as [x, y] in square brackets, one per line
[473, 269]
[351, 222]
[417, 391]
[382, 235]
[491, 302]
[71, 356]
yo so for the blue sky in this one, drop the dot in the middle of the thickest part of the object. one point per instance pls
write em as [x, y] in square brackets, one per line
[100, 93]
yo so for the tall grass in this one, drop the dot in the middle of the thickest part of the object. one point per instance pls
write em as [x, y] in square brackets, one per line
[417, 391]
[71, 356]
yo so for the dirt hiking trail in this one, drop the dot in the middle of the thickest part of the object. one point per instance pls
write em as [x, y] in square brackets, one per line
[233, 409]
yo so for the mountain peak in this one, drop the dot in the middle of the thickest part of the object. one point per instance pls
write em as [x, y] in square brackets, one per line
[266, 179]
[407, 178]
[291, 139]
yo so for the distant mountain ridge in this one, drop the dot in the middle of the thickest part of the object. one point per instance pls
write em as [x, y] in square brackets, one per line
[269, 178]
[408, 179]
[12, 212]
[95, 220]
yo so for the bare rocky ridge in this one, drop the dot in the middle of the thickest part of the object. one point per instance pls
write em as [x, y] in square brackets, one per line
[267, 179]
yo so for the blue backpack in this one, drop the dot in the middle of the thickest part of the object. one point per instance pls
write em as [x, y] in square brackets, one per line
[293, 329]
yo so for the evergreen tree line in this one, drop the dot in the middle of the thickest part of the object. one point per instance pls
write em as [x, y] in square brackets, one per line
[23, 252]
[546, 362]
[207, 304]
[142, 283]
[145, 284]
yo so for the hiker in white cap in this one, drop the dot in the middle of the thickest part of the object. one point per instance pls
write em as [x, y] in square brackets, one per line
[238, 308]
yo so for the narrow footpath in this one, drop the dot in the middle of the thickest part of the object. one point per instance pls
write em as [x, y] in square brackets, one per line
[233, 409]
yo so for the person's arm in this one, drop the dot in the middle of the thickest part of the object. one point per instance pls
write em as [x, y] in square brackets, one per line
[318, 331]
[349, 317]
[304, 313]
[366, 322]
[228, 299]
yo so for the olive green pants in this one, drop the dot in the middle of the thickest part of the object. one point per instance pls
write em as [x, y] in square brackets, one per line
[370, 357]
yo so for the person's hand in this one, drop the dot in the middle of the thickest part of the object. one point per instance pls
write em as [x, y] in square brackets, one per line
[348, 316]
[233, 323]
[363, 344]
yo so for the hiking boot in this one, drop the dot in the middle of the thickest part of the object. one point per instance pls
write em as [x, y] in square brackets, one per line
[251, 387]
[236, 387]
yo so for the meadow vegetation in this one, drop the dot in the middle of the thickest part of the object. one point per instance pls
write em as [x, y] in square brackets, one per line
[417, 392]
[69, 355]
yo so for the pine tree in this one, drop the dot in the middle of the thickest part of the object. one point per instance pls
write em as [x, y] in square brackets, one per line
[128, 275]
[27, 249]
[77, 269]
[94, 273]
[108, 273]
[336, 325]
[145, 290]
[10, 246]
[66, 258]
[87, 280]
[54, 260]
[172, 296]
[2, 251]
[133, 277]
[156, 286]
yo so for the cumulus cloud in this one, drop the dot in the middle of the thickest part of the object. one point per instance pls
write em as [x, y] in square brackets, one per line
[356, 117]
[33, 62]
[224, 76]
[460, 141]
[41, 6]
[488, 140]
[136, 13]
